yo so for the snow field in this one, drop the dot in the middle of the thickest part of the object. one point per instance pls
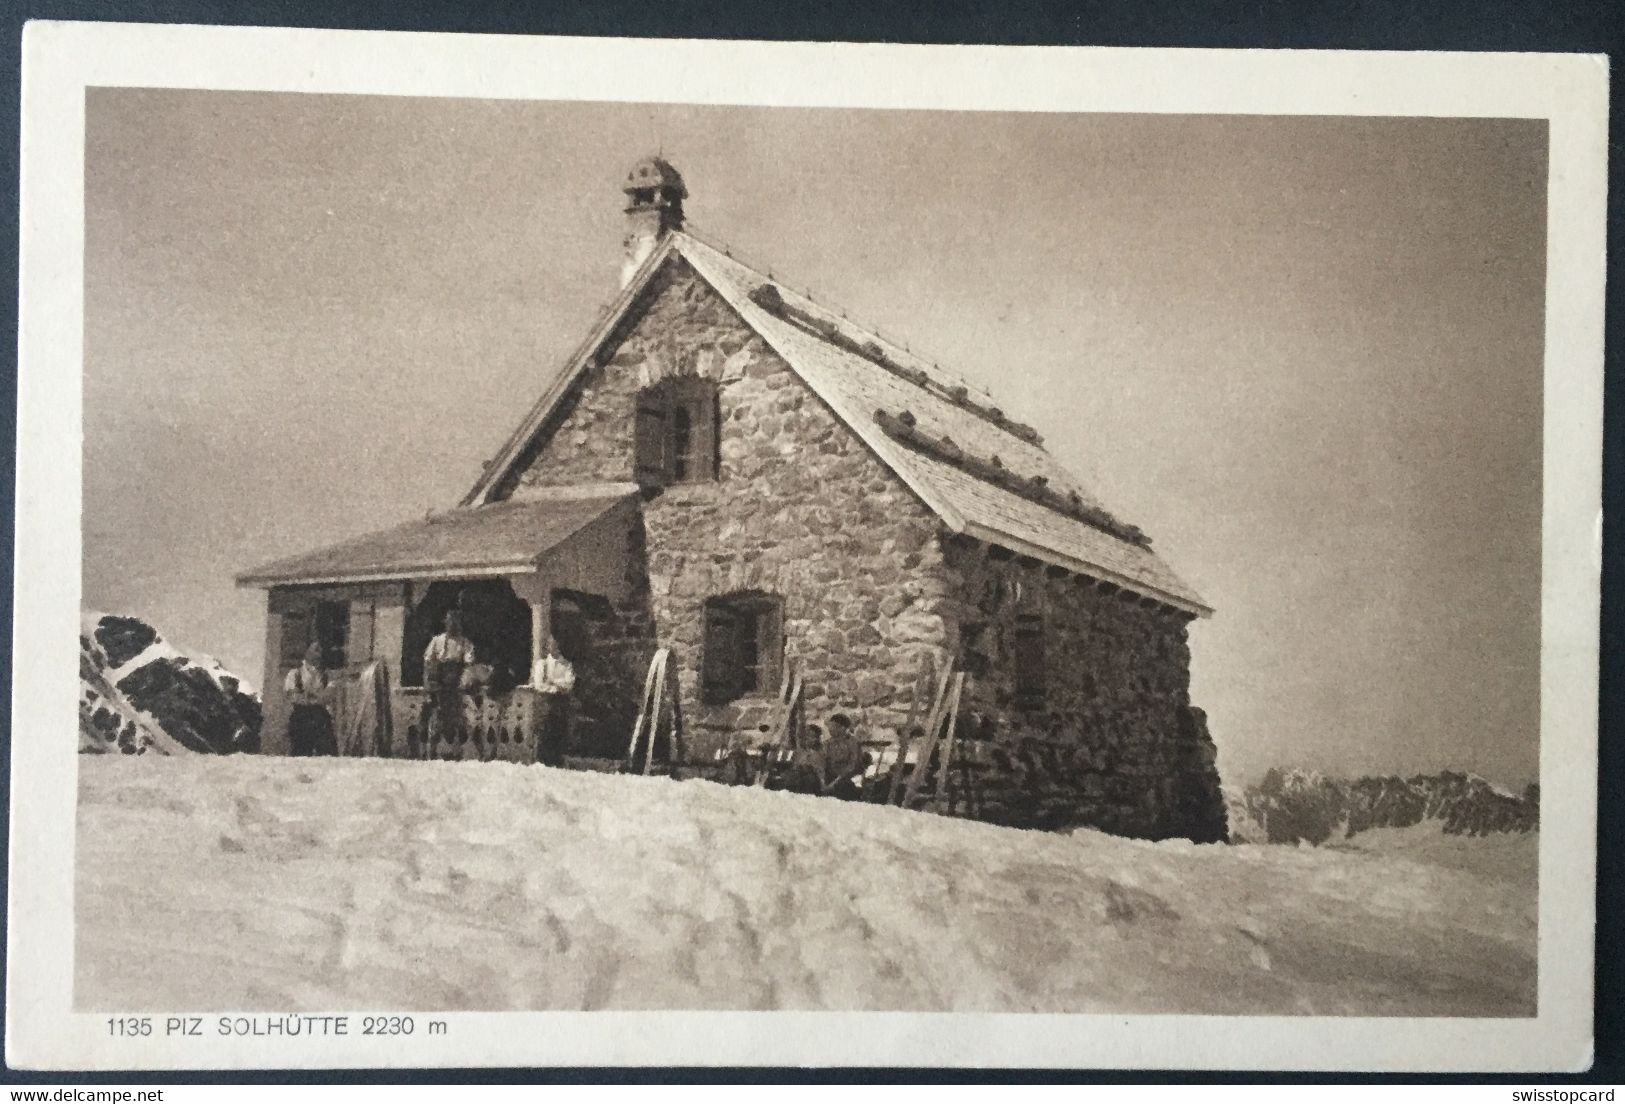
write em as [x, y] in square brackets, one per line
[257, 883]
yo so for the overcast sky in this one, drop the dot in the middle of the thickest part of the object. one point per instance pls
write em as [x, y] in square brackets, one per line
[1303, 353]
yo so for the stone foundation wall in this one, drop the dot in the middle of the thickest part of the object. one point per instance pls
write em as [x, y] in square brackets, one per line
[802, 510]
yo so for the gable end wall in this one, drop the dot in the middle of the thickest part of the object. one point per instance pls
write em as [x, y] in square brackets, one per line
[1115, 742]
[802, 509]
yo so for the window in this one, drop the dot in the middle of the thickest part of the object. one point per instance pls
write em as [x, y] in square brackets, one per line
[295, 637]
[743, 648]
[333, 632]
[676, 433]
[1028, 659]
[973, 658]
[682, 442]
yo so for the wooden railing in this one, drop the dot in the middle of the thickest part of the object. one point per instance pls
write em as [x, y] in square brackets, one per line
[495, 726]
[502, 726]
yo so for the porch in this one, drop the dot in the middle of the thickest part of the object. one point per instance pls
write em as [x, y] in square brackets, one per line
[560, 565]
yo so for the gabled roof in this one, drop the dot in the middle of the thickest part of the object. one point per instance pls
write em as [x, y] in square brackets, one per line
[937, 432]
[502, 538]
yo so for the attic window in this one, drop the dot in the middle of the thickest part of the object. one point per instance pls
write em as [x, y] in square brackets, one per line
[744, 646]
[676, 433]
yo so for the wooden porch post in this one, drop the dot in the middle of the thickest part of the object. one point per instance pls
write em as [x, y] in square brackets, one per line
[539, 616]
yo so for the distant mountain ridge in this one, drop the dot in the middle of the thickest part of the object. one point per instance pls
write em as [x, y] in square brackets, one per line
[1292, 805]
[139, 694]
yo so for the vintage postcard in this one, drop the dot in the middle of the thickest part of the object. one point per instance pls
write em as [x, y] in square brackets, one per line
[684, 553]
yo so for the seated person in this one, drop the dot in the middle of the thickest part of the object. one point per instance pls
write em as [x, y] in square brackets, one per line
[844, 761]
[804, 771]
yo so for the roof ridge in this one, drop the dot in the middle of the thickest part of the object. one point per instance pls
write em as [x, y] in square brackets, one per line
[927, 365]
[768, 297]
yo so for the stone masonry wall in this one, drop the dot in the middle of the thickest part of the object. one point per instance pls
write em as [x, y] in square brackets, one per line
[802, 510]
[1115, 743]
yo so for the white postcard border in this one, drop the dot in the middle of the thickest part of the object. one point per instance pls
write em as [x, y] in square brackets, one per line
[62, 59]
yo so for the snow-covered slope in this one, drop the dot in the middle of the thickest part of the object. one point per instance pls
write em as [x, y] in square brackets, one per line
[137, 693]
[1293, 805]
[282, 884]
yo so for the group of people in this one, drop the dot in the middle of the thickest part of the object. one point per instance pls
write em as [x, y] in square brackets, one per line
[450, 670]
[831, 763]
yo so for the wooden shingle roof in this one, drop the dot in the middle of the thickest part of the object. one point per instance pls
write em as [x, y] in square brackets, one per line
[503, 538]
[984, 474]
[819, 345]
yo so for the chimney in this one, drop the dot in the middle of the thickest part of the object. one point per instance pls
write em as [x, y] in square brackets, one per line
[654, 206]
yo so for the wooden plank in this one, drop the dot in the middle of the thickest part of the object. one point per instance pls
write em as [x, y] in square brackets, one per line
[922, 687]
[933, 728]
[643, 708]
[927, 742]
[952, 735]
[678, 749]
[781, 726]
[663, 661]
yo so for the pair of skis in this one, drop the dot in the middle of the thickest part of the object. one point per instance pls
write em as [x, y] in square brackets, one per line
[786, 727]
[659, 704]
[941, 726]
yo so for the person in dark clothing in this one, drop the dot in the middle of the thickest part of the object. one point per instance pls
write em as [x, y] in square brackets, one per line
[310, 724]
[802, 773]
[843, 761]
[735, 767]
[448, 656]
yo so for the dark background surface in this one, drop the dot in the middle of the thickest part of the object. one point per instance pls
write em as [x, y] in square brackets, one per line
[1588, 26]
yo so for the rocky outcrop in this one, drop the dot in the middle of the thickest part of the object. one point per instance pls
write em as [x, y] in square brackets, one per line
[1289, 806]
[138, 694]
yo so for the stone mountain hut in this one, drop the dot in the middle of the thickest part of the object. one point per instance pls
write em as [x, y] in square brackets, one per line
[727, 469]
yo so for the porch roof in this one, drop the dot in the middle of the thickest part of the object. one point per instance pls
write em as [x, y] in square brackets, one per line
[503, 538]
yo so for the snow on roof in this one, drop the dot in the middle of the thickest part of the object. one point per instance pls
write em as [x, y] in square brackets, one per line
[499, 538]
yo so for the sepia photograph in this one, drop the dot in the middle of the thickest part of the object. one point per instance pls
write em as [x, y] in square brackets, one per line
[632, 555]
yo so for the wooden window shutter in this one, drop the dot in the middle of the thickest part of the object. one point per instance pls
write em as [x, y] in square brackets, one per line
[707, 434]
[650, 463]
[720, 659]
[770, 646]
[1029, 660]
[362, 631]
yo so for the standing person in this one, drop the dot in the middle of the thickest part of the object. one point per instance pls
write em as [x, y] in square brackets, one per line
[555, 677]
[449, 654]
[310, 724]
